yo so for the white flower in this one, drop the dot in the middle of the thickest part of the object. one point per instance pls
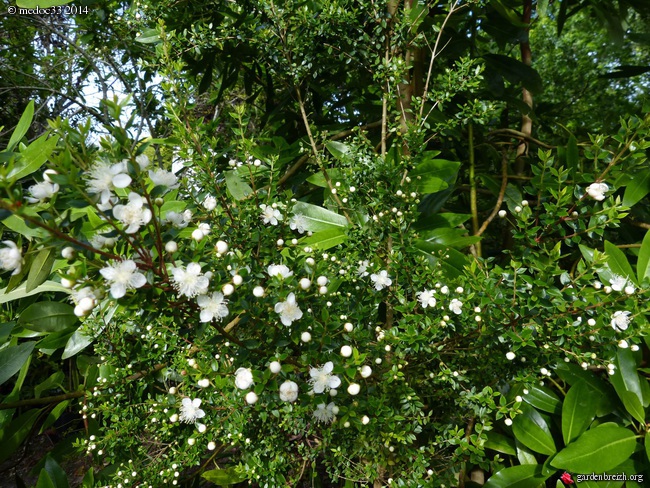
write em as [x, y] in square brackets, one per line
[618, 282]
[190, 411]
[325, 413]
[213, 306]
[275, 367]
[289, 391]
[210, 203]
[362, 269]
[105, 177]
[11, 257]
[426, 298]
[621, 320]
[279, 270]
[42, 191]
[381, 280]
[243, 378]
[366, 371]
[143, 161]
[288, 310]
[455, 306]
[597, 191]
[298, 222]
[190, 282]
[270, 215]
[133, 214]
[629, 290]
[163, 178]
[123, 276]
[322, 378]
[179, 220]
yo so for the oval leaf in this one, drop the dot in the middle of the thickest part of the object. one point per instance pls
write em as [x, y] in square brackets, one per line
[48, 316]
[40, 269]
[13, 358]
[578, 411]
[599, 449]
[319, 218]
[617, 261]
[523, 476]
[544, 399]
[533, 432]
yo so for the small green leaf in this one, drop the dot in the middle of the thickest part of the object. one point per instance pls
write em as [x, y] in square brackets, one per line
[236, 186]
[578, 411]
[601, 449]
[44, 480]
[319, 218]
[23, 126]
[148, 36]
[48, 316]
[20, 292]
[337, 149]
[34, 156]
[17, 224]
[12, 359]
[56, 473]
[54, 415]
[40, 269]
[227, 476]
[77, 343]
[500, 443]
[617, 261]
[54, 380]
[643, 263]
[532, 431]
[325, 239]
[544, 399]
[318, 179]
[524, 476]
[431, 175]
[637, 188]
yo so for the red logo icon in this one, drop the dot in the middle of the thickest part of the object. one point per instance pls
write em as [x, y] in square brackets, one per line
[566, 478]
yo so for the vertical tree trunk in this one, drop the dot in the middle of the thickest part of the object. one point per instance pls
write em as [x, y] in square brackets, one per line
[527, 59]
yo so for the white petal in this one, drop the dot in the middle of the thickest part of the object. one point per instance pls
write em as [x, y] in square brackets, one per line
[121, 180]
[118, 290]
[328, 367]
[138, 280]
[206, 316]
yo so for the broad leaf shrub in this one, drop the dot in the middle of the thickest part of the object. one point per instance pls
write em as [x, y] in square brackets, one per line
[221, 327]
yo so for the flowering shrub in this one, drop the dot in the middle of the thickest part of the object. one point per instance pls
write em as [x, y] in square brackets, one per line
[222, 327]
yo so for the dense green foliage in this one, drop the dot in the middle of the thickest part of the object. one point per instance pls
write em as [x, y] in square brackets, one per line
[342, 243]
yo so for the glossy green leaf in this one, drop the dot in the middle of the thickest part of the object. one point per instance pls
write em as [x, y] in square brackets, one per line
[646, 444]
[89, 479]
[57, 475]
[448, 237]
[524, 476]
[40, 269]
[236, 186]
[543, 398]
[338, 149]
[319, 218]
[500, 443]
[17, 224]
[325, 239]
[34, 156]
[318, 179]
[21, 292]
[572, 374]
[430, 176]
[525, 455]
[44, 480]
[533, 432]
[54, 415]
[48, 316]
[599, 449]
[617, 261]
[515, 72]
[53, 381]
[148, 36]
[227, 476]
[637, 188]
[12, 359]
[77, 343]
[643, 263]
[23, 126]
[13, 434]
[627, 364]
[578, 411]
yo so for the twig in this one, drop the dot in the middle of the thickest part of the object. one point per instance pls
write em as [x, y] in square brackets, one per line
[500, 197]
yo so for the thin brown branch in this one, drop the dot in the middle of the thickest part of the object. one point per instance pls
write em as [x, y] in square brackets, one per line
[500, 196]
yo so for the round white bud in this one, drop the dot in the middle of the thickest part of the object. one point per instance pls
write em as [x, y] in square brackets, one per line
[305, 283]
[275, 367]
[346, 351]
[258, 291]
[227, 289]
[221, 247]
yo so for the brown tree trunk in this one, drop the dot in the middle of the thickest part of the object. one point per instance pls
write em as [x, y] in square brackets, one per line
[526, 121]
